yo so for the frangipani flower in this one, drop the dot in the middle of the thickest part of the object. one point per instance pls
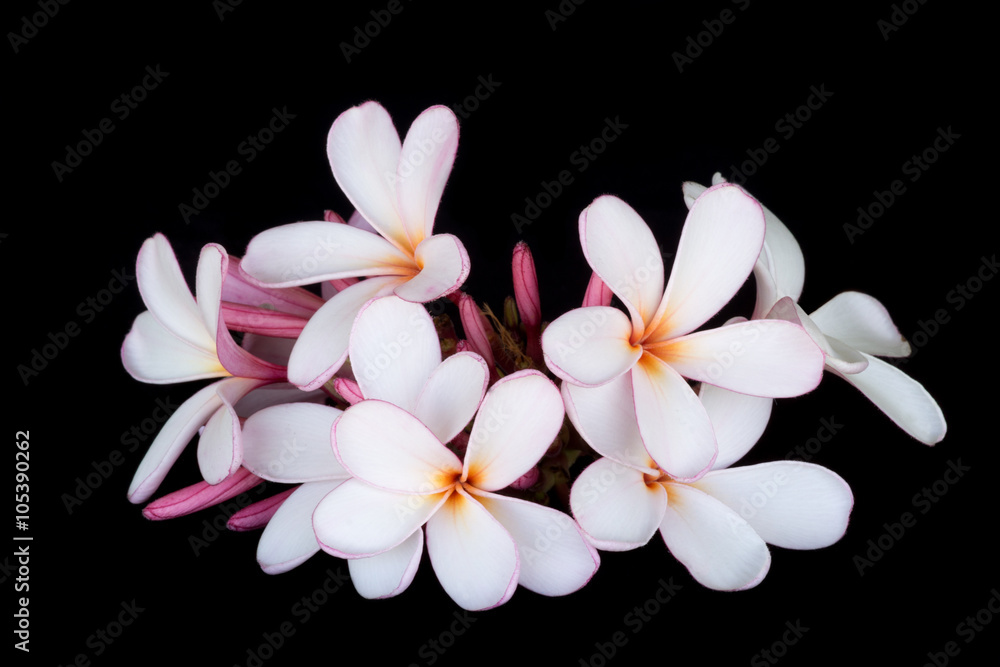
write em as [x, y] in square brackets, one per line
[653, 347]
[481, 543]
[718, 526]
[396, 188]
[850, 329]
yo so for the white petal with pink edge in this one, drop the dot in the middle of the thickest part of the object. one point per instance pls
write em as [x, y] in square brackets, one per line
[790, 504]
[288, 539]
[673, 424]
[622, 250]
[425, 162]
[291, 443]
[861, 321]
[473, 555]
[212, 268]
[839, 356]
[167, 295]
[720, 549]
[516, 423]
[902, 399]
[444, 266]
[389, 573]
[554, 556]
[737, 419]
[151, 353]
[615, 506]
[590, 346]
[388, 447]
[452, 394]
[220, 446]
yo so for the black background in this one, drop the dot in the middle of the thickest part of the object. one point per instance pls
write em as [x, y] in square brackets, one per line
[554, 90]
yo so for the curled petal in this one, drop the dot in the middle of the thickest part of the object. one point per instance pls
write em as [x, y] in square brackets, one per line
[444, 266]
[256, 515]
[862, 322]
[167, 295]
[199, 496]
[526, 285]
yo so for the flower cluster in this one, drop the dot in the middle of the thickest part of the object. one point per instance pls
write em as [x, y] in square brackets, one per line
[514, 452]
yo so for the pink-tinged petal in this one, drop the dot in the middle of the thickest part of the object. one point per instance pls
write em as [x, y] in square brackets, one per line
[717, 546]
[674, 426]
[449, 400]
[425, 162]
[621, 249]
[389, 573]
[555, 558]
[839, 356]
[321, 349]
[175, 434]
[256, 515]
[358, 220]
[276, 394]
[262, 321]
[348, 390]
[220, 446]
[302, 253]
[476, 328]
[605, 417]
[737, 419]
[597, 294]
[388, 447]
[526, 285]
[719, 245]
[151, 353]
[167, 295]
[199, 496]
[393, 350]
[364, 151]
[444, 266]
[237, 288]
[213, 263]
[862, 322]
[289, 540]
[902, 399]
[616, 506]
[517, 422]
[590, 346]
[474, 557]
[789, 504]
[333, 216]
[767, 288]
[241, 363]
[273, 350]
[291, 443]
[761, 357]
[356, 520]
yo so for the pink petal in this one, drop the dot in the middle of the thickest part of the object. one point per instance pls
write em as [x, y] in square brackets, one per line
[389, 573]
[425, 161]
[262, 321]
[291, 443]
[288, 539]
[473, 555]
[444, 266]
[526, 286]
[590, 346]
[452, 394]
[862, 322]
[719, 245]
[199, 496]
[555, 558]
[597, 294]
[713, 542]
[476, 328]
[621, 249]
[674, 426]
[237, 288]
[151, 353]
[616, 507]
[789, 504]
[517, 422]
[348, 390]
[256, 515]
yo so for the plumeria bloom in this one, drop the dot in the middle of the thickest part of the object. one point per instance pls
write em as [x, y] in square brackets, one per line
[181, 339]
[719, 526]
[851, 328]
[395, 187]
[655, 346]
[405, 477]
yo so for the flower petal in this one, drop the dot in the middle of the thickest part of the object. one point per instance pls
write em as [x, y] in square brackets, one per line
[389, 573]
[296, 301]
[321, 349]
[862, 322]
[790, 504]
[291, 443]
[712, 541]
[590, 346]
[517, 422]
[760, 357]
[425, 162]
[452, 394]
[555, 558]
[388, 447]
[616, 507]
[393, 349]
[902, 399]
[622, 250]
[151, 353]
[256, 515]
[289, 540]
[737, 419]
[719, 245]
[839, 356]
[674, 426]
[199, 496]
[474, 557]
[444, 266]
